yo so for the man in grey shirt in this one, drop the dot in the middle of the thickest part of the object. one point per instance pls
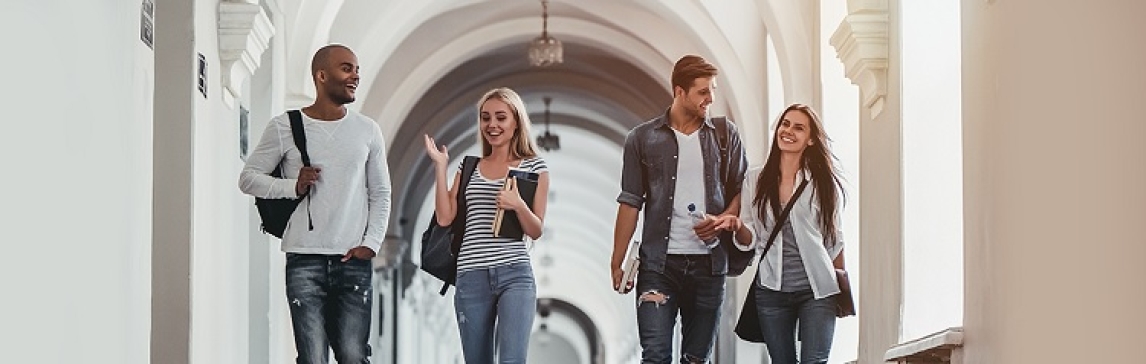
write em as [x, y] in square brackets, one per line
[339, 226]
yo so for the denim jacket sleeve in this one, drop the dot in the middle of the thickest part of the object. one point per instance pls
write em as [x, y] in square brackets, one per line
[737, 164]
[634, 183]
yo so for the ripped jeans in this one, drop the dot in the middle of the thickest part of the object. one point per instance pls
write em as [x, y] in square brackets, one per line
[686, 286]
[330, 303]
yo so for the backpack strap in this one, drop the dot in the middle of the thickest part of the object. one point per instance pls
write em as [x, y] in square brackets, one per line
[458, 226]
[298, 131]
[721, 124]
[782, 218]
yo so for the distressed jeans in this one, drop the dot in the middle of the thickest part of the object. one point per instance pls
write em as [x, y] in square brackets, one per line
[330, 304]
[781, 312]
[499, 300]
[686, 286]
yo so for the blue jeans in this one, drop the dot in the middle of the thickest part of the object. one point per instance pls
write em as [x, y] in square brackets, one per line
[779, 314]
[686, 286]
[330, 304]
[499, 300]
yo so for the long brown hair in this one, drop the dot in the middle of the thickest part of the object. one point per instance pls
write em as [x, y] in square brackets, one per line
[817, 159]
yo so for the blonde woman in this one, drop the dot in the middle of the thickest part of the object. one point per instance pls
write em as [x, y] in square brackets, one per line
[496, 292]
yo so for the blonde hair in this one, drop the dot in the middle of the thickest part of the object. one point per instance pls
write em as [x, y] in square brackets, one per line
[521, 145]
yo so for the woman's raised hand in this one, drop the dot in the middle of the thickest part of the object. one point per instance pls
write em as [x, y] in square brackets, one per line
[439, 156]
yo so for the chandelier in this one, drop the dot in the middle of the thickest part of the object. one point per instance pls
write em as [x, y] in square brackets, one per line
[548, 141]
[545, 50]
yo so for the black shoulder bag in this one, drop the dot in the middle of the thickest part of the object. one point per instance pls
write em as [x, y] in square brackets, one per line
[276, 212]
[441, 244]
[748, 326]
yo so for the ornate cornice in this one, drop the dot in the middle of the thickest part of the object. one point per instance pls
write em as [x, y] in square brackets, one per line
[244, 33]
[861, 43]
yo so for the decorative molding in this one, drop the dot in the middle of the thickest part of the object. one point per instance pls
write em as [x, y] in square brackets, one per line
[244, 34]
[935, 348]
[861, 43]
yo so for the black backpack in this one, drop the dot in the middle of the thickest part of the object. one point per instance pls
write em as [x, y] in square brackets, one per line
[442, 244]
[276, 212]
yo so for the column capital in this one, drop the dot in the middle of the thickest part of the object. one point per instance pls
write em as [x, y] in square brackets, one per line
[861, 43]
[244, 33]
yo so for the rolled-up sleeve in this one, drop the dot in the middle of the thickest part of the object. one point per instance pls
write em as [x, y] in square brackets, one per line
[633, 178]
[837, 246]
[749, 216]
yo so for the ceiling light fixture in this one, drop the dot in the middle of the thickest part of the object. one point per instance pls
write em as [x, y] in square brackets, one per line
[548, 141]
[545, 50]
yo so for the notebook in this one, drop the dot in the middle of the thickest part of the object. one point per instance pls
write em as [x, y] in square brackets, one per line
[505, 223]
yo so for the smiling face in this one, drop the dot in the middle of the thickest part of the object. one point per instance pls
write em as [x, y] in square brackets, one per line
[497, 122]
[794, 132]
[696, 99]
[338, 78]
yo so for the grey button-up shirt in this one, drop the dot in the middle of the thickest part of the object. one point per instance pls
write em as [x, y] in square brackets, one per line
[648, 180]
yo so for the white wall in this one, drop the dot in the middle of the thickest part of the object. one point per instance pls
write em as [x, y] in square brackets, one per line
[220, 253]
[841, 119]
[932, 168]
[1053, 156]
[77, 207]
[269, 337]
[740, 23]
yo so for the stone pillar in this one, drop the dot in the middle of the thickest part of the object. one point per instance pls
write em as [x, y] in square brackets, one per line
[245, 31]
[865, 45]
[173, 193]
[1054, 95]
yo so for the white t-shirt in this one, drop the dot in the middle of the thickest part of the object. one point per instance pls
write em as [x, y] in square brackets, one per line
[350, 203]
[689, 190]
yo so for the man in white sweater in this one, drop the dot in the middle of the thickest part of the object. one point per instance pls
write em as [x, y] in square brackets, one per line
[339, 226]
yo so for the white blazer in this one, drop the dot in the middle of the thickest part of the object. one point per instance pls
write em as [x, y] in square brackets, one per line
[805, 219]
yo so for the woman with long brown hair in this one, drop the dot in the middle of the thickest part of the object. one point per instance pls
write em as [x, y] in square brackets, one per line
[796, 277]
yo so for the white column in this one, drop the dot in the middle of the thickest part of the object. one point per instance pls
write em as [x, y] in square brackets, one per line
[1053, 105]
[173, 202]
[869, 53]
[245, 31]
[841, 117]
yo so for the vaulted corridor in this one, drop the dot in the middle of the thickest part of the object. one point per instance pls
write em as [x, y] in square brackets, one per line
[991, 152]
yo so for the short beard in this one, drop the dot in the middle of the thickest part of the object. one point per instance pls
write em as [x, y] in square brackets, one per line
[339, 99]
[696, 114]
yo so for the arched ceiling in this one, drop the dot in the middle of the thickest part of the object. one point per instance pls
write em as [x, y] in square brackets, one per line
[425, 63]
[404, 46]
[597, 93]
[406, 43]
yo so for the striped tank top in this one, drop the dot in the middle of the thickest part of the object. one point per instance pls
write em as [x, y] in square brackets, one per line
[480, 248]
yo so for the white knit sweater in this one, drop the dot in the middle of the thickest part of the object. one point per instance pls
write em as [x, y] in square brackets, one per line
[349, 205]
